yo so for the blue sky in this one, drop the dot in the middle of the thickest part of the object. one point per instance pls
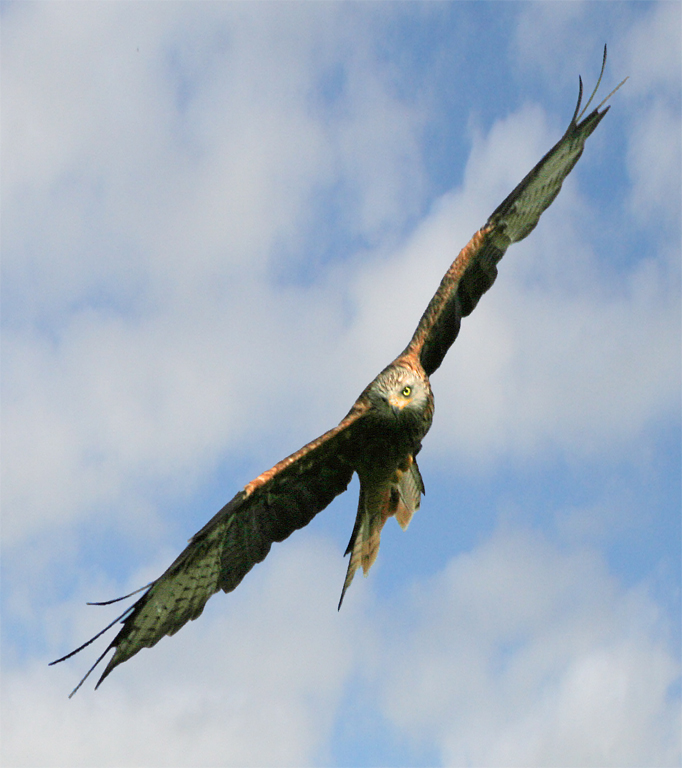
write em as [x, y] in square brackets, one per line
[219, 222]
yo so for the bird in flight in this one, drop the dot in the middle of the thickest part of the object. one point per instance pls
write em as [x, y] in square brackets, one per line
[379, 438]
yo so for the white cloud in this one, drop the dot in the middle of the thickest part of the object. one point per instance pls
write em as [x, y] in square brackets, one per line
[653, 57]
[653, 51]
[518, 653]
[144, 227]
[161, 167]
[582, 371]
[158, 196]
[562, 352]
[255, 681]
[522, 654]
[558, 41]
[656, 190]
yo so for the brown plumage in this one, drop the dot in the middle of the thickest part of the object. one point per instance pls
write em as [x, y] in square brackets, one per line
[379, 438]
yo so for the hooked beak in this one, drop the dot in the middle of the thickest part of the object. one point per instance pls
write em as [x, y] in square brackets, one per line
[397, 403]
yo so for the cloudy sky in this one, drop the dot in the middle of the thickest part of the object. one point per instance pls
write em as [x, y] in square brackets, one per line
[219, 222]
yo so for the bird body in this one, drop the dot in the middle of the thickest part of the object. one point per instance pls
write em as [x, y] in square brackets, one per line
[399, 414]
[378, 439]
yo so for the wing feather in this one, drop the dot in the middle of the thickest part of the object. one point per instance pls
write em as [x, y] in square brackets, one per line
[269, 509]
[475, 268]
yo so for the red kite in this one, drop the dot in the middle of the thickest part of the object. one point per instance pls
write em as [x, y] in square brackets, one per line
[379, 438]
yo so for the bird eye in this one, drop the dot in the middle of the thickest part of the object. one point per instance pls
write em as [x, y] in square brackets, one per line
[407, 391]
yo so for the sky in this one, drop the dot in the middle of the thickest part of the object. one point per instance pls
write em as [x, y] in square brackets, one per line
[219, 222]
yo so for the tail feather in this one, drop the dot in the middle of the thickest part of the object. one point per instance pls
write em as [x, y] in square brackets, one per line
[399, 497]
[409, 490]
[363, 546]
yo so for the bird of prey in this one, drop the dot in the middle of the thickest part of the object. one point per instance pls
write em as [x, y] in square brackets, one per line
[379, 438]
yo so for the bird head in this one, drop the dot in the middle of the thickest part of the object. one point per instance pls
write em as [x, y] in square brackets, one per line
[401, 393]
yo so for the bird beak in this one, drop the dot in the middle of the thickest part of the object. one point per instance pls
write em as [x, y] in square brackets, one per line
[397, 403]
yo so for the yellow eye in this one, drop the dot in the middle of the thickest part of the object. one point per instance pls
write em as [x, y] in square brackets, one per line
[407, 391]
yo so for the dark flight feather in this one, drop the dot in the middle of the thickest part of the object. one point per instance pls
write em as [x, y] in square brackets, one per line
[269, 509]
[289, 495]
[475, 268]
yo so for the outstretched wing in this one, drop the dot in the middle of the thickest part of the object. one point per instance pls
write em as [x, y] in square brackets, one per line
[268, 509]
[475, 268]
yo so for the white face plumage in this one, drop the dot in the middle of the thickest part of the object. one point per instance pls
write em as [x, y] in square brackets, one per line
[401, 389]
